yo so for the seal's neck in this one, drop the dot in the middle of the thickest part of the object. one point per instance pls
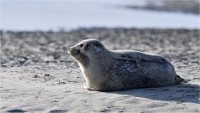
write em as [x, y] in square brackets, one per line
[84, 60]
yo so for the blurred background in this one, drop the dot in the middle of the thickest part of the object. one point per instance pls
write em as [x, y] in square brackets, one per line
[66, 15]
[41, 31]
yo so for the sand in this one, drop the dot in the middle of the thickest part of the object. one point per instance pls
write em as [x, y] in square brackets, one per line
[37, 74]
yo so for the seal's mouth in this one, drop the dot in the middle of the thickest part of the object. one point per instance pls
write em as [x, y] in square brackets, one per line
[73, 52]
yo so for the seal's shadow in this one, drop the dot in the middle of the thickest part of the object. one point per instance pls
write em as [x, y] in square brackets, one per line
[178, 93]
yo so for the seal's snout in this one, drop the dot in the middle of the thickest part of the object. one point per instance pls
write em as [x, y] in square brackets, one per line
[73, 51]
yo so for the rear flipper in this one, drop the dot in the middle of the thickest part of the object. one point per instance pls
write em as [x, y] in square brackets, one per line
[179, 80]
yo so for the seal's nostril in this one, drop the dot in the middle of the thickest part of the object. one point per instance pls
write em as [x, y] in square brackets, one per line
[73, 51]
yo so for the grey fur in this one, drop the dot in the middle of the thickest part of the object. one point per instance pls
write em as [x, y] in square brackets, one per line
[121, 69]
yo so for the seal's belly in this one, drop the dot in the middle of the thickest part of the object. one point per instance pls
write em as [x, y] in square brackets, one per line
[146, 74]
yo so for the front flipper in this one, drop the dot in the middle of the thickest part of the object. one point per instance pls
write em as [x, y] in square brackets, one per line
[89, 88]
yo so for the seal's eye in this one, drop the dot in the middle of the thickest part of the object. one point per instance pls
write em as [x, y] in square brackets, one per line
[81, 45]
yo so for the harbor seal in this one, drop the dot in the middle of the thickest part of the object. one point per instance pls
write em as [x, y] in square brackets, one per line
[106, 70]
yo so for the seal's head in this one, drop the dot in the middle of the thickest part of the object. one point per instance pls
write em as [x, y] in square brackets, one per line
[86, 50]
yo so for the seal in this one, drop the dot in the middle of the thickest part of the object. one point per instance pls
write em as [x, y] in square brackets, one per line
[106, 70]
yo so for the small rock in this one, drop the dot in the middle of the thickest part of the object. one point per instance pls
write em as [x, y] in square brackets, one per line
[35, 76]
[46, 75]
[61, 82]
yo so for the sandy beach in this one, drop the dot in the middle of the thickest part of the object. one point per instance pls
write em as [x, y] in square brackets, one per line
[37, 74]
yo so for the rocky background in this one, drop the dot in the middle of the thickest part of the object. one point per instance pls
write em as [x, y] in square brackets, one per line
[28, 48]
